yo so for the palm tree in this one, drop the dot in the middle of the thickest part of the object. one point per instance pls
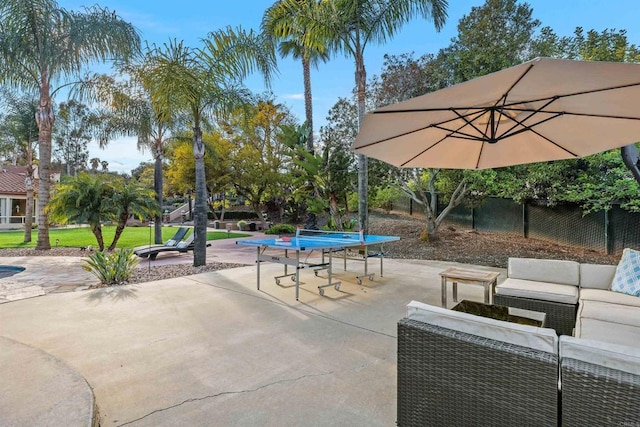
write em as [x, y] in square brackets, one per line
[132, 199]
[130, 111]
[205, 83]
[84, 199]
[349, 26]
[44, 47]
[294, 40]
[20, 125]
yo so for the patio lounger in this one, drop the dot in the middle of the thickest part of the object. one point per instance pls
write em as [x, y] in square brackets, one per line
[182, 247]
[177, 238]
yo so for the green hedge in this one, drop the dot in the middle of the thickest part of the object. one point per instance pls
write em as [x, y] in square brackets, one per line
[281, 229]
[236, 215]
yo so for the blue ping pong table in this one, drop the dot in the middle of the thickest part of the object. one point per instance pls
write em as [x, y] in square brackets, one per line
[278, 250]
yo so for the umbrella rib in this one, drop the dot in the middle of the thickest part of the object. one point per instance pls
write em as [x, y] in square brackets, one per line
[436, 125]
[451, 132]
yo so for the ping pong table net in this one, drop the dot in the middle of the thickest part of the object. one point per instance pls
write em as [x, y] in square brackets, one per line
[351, 236]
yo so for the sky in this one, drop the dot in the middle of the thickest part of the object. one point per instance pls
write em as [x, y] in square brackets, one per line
[190, 20]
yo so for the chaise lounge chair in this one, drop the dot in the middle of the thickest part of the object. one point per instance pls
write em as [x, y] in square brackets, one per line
[177, 238]
[182, 247]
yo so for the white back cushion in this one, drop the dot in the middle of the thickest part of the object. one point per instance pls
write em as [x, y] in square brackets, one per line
[542, 339]
[596, 276]
[545, 270]
[614, 356]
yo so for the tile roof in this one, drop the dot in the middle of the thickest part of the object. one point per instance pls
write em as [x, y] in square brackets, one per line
[13, 183]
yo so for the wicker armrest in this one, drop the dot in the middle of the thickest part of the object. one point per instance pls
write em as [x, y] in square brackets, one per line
[447, 377]
[598, 396]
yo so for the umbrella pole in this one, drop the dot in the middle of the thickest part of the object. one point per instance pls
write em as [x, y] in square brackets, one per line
[631, 159]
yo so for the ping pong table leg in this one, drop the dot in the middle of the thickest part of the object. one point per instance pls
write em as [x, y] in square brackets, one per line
[258, 267]
[297, 273]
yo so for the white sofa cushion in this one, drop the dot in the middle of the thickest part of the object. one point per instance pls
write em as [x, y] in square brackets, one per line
[545, 270]
[542, 339]
[596, 276]
[609, 297]
[545, 291]
[627, 278]
[602, 330]
[616, 314]
[621, 357]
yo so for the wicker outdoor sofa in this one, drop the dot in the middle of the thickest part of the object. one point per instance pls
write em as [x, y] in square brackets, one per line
[458, 369]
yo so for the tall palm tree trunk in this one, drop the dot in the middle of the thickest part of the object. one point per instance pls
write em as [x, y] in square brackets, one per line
[157, 186]
[28, 183]
[312, 221]
[363, 176]
[45, 119]
[200, 208]
[308, 100]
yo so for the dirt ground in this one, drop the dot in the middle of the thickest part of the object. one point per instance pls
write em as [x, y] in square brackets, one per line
[459, 244]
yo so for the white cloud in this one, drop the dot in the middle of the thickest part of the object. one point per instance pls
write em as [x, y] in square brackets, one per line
[296, 96]
[122, 154]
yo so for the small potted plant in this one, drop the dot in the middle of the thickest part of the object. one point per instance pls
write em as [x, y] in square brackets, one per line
[242, 225]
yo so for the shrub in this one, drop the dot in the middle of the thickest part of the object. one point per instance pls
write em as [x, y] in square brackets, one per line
[112, 269]
[281, 229]
[384, 198]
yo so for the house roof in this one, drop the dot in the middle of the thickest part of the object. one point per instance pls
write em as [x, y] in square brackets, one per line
[12, 180]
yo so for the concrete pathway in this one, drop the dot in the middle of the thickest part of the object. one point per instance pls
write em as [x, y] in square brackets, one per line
[43, 275]
[211, 349]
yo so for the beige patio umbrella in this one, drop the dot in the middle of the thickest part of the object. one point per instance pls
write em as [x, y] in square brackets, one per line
[541, 110]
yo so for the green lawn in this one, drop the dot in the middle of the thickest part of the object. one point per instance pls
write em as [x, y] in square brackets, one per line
[77, 237]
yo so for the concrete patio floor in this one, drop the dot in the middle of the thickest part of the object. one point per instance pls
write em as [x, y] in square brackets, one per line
[211, 349]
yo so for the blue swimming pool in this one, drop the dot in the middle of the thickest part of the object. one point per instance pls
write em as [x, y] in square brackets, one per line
[9, 270]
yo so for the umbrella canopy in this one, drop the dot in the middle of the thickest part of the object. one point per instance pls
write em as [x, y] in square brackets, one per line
[541, 110]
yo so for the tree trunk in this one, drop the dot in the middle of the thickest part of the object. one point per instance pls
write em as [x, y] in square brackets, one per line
[200, 217]
[308, 100]
[45, 120]
[334, 211]
[97, 231]
[311, 222]
[157, 186]
[28, 183]
[363, 178]
[122, 223]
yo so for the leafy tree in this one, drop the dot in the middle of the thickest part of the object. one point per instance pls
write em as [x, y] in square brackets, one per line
[95, 198]
[131, 199]
[217, 163]
[281, 21]
[21, 131]
[295, 39]
[144, 175]
[257, 162]
[595, 181]
[204, 83]
[351, 25]
[72, 135]
[492, 37]
[83, 200]
[130, 109]
[43, 45]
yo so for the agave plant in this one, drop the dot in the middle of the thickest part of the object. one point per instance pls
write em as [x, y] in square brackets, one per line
[112, 268]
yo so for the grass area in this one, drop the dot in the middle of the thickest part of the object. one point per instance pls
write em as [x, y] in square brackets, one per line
[82, 236]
